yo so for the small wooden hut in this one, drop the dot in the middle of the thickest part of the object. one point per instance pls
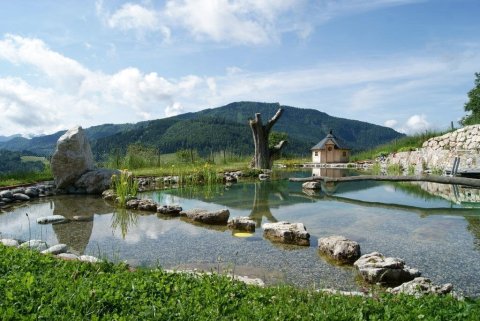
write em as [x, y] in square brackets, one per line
[328, 150]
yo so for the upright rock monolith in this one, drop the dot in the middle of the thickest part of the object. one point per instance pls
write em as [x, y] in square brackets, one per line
[72, 158]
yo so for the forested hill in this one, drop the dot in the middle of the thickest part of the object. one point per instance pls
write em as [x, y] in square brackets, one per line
[222, 128]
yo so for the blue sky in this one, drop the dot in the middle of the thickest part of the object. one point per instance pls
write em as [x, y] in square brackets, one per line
[407, 64]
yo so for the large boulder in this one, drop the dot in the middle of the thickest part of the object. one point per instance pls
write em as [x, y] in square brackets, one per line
[96, 181]
[219, 217]
[339, 248]
[376, 268]
[72, 158]
[421, 286]
[288, 233]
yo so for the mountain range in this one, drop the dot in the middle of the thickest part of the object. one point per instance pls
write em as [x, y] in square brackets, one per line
[217, 129]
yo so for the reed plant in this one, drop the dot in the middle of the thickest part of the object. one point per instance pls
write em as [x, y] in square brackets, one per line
[125, 187]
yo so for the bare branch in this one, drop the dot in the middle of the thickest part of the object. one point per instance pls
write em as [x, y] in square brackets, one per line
[274, 119]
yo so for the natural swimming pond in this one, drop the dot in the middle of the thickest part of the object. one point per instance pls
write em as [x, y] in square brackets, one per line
[435, 228]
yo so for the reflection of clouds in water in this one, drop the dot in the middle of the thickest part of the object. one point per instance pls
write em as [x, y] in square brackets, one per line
[149, 227]
[15, 223]
[389, 189]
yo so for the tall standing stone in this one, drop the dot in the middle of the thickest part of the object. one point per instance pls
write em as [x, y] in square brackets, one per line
[72, 158]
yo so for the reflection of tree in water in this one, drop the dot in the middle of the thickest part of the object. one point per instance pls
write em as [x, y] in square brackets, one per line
[123, 219]
[474, 228]
[261, 202]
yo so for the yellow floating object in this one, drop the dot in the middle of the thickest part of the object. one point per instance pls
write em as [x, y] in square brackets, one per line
[242, 234]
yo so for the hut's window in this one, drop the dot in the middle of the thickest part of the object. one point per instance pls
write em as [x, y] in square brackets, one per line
[344, 154]
[316, 153]
[329, 148]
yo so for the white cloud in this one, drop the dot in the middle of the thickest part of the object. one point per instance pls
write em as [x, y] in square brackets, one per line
[174, 109]
[391, 123]
[245, 22]
[413, 125]
[416, 124]
[69, 93]
[370, 90]
[133, 16]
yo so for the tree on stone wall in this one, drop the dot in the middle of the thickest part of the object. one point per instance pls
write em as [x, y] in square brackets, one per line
[473, 104]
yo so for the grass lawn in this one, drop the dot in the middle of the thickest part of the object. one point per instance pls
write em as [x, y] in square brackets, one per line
[39, 287]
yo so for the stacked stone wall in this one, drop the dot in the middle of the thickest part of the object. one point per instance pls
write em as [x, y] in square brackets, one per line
[438, 153]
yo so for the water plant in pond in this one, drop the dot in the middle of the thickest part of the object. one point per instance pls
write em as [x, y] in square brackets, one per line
[125, 187]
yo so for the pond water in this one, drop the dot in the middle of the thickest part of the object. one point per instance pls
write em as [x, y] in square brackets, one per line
[435, 228]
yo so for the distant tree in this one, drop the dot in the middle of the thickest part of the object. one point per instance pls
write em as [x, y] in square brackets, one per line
[187, 155]
[473, 104]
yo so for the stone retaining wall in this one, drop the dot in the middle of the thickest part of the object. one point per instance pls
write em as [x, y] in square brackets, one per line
[438, 153]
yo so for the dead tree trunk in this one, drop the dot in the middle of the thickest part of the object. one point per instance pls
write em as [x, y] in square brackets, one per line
[264, 155]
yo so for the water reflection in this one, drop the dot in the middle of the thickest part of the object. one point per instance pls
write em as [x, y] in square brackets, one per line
[430, 232]
[261, 203]
[330, 172]
[77, 234]
[124, 220]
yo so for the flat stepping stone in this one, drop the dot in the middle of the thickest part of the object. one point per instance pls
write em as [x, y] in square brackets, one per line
[67, 256]
[82, 218]
[421, 286]
[339, 248]
[242, 223]
[376, 268]
[287, 233]
[312, 185]
[10, 242]
[52, 219]
[21, 197]
[56, 249]
[219, 217]
[89, 258]
[172, 210]
[38, 245]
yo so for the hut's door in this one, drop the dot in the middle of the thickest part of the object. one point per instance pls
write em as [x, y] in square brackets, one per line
[329, 152]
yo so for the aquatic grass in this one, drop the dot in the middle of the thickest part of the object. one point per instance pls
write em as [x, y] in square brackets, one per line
[125, 187]
[40, 287]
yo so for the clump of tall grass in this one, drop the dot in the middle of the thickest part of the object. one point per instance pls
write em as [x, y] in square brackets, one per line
[394, 169]
[17, 178]
[125, 187]
[189, 175]
[407, 143]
